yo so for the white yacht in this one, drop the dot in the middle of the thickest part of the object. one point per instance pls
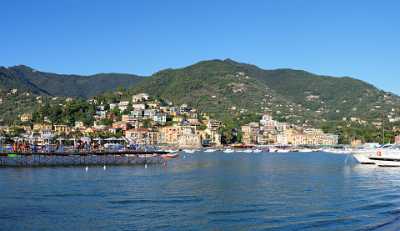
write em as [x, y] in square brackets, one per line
[189, 151]
[210, 150]
[387, 157]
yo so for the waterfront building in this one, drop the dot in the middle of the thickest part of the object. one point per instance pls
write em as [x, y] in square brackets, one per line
[143, 136]
[189, 138]
[268, 131]
[169, 135]
[246, 134]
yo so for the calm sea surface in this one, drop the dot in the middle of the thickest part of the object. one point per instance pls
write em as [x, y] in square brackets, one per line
[201, 191]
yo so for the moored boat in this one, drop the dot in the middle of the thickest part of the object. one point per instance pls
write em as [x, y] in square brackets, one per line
[170, 156]
[189, 151]
[385, 156]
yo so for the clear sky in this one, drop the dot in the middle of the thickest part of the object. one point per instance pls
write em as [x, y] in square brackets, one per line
[358, 38]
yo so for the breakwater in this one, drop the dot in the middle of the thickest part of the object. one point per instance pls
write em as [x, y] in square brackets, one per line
[80, 159]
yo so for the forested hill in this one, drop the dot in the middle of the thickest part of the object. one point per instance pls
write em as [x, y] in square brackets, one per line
[42, 83]
[228, 89]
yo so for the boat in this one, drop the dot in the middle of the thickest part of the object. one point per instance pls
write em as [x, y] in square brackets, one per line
[189, 151]
[305, 150]
[170, 156]
[248, 151]
[210, 150]
[387, 157]
[384, 156]
[229, 150]
[257, 150]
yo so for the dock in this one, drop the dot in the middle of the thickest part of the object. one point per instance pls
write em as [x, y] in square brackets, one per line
[80, 158]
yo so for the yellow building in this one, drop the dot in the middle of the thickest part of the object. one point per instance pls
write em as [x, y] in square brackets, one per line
[169, 135]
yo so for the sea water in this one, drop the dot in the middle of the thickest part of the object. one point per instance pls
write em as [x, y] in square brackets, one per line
[205, 191]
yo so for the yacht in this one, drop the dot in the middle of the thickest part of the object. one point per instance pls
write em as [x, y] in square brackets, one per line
[257, 150]
[386, 156]
[210, 150]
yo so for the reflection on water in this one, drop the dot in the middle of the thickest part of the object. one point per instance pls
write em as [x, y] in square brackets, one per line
[214, 191]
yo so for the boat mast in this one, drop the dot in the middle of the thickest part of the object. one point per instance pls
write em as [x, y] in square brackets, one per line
[383, 130]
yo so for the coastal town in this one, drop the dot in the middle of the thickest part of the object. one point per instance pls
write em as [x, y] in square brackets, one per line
[145, 121]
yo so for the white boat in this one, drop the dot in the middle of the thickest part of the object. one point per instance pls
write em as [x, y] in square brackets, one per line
[257, 150]
[248, 151]
[189, 151]
[228, 150]
[306, 150]
[210, 150]
[387, 156]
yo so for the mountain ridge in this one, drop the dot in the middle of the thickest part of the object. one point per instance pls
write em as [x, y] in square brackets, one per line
[68, 85]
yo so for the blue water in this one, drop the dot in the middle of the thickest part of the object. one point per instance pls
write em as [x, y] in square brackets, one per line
[214, 191]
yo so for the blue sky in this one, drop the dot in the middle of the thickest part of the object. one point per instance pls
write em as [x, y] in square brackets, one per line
[342, 38]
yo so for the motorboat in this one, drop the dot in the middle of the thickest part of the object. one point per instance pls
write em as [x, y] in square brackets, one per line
[257, 150]
[385, 156]
[189, 151]
[210, 150]
[229, 150]
[248, 151]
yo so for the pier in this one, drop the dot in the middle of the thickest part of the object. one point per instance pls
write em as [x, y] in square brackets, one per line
[87, 158]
